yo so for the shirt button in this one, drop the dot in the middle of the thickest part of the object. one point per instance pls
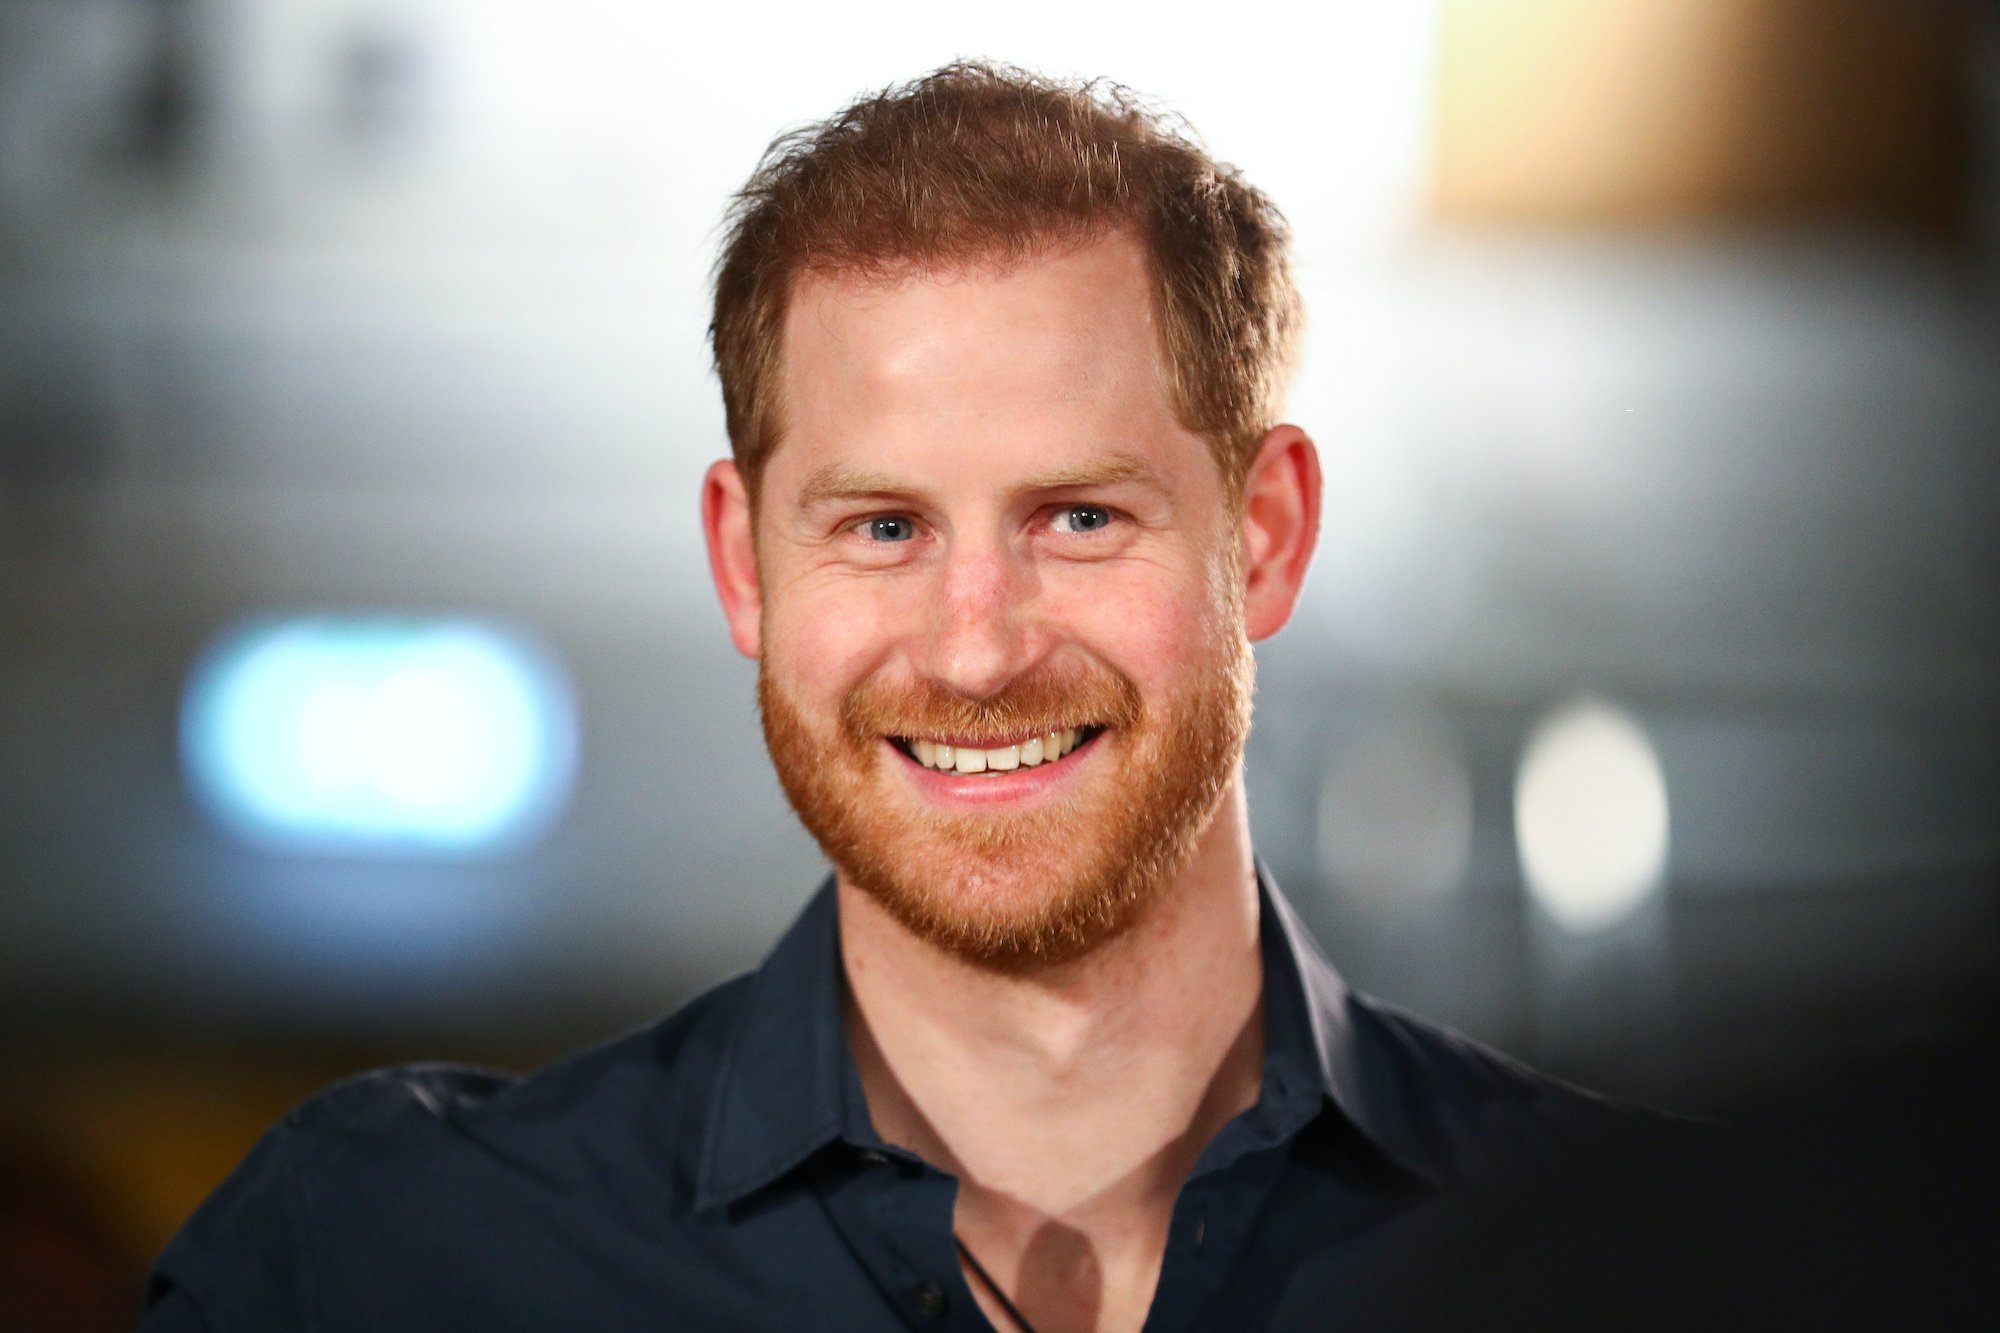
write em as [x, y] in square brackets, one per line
[928, 1297]
[874, 1158]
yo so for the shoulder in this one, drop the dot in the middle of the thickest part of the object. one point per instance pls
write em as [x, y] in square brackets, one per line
[389, 1155]
[1505, 1149]
[1482, 1117]
[657, 1078]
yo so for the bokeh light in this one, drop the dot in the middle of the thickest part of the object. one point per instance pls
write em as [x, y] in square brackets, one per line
[1590, 816]
[332, 734]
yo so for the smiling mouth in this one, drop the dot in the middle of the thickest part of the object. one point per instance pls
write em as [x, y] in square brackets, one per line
[993, 761]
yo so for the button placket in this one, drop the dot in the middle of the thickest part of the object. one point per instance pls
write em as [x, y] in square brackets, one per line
[929, 1299]
[895, 1212]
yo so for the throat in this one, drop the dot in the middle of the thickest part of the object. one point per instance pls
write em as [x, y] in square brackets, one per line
[1093, 1089]
[1108, 1127]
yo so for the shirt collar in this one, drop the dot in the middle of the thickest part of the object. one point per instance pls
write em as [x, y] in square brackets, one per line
[789, 1086]
[1312, 1012]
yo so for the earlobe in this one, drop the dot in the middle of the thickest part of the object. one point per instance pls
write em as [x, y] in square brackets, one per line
[1281, 497]
[726, 523]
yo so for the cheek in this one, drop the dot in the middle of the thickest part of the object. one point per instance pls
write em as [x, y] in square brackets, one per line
[1156, 627]
[825, 640]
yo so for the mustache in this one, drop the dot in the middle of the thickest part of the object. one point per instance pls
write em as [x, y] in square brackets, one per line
[1034, 704]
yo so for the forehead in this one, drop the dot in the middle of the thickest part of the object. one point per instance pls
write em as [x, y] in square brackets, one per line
[1032, 361]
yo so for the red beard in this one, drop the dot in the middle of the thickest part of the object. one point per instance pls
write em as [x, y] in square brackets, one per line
[1016, 890]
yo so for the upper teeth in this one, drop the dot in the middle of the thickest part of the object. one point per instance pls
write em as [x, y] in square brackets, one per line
[967, 759]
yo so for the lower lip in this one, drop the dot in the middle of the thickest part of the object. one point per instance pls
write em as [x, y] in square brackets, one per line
[983, 789]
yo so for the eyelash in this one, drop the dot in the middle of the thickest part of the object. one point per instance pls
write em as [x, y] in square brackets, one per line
[864, 526]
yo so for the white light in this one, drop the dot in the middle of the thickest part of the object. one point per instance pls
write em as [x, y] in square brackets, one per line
[356, 735]
[1590, 816]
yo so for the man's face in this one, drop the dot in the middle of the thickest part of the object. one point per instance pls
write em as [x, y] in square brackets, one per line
[1004, 677]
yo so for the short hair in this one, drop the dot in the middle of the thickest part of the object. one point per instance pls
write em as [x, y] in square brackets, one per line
[978, 161]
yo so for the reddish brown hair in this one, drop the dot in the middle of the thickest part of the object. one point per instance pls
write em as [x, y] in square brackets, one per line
[978, 161]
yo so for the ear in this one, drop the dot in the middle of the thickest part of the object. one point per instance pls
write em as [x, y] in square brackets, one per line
[732, 554]
[1280, 528]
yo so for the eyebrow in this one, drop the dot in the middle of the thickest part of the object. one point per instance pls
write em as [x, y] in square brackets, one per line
[838, 483]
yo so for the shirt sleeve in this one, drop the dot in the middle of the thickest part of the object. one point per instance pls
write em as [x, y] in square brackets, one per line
[242, 1262]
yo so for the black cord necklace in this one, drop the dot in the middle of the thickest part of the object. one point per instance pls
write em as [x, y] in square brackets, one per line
[994, 1287]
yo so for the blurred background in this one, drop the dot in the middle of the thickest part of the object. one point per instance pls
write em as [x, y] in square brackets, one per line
[362, 698]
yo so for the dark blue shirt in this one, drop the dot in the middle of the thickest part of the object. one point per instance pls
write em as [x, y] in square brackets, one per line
[719, 1171]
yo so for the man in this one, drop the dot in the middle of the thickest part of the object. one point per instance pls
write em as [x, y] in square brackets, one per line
[1008, 502]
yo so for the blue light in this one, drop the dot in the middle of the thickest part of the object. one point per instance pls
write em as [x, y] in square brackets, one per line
[374, 736]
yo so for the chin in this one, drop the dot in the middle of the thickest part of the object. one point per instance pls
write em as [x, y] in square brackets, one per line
[1022, 893]
[1011, 914]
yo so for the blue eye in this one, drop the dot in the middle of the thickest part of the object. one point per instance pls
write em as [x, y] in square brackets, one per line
[1082, 518]
[894, 528]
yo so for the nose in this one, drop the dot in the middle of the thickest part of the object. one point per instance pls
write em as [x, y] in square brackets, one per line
[981, 635]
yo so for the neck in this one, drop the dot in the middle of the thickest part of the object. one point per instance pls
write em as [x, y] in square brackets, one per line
[1071, 1103]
